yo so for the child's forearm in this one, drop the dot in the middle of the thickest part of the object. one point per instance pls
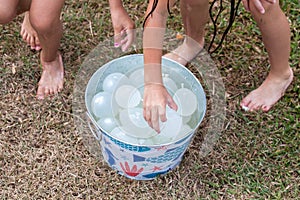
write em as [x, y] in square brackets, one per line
[115, 4]
[153, 43]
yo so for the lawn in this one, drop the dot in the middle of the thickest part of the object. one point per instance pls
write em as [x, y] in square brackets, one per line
[43, 154]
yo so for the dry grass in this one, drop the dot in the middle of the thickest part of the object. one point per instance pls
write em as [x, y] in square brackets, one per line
[42, 155]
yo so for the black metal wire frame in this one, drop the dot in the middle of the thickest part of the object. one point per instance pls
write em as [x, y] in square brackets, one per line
[233, 14]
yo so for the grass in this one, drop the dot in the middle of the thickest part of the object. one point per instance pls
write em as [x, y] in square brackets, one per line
[42, 155]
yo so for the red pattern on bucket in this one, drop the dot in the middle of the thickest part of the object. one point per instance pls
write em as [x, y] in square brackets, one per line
[131, 172]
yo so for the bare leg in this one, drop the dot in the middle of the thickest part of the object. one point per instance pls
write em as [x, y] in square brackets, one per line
[45, 19]
[276, 38]
[195, 16]
[10, 9]
[28, 34]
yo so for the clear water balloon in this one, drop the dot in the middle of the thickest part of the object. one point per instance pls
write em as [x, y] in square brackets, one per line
[127, 96]
[103, 105]
[137, 118]
[137, 77]
[169, 83]
[172, 125]
[120, 133]
[112, 81]
[137, 129]
[107, 123]
[186, 101]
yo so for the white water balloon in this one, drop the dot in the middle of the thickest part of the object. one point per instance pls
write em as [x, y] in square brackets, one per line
[137, 77]
[127, 96]
[111, 82]
[169, 83]
[107, 123]
[186, 101]
[120, 134]
[103, 105]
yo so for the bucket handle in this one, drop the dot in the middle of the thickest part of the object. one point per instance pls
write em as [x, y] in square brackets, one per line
[97, 133]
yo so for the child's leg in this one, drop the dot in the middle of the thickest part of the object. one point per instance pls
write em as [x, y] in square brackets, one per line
[195, 16]
[10, 9]
[45, 19]
[276, 38]
[28, 34]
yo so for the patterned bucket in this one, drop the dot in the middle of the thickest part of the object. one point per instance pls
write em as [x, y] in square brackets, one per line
[135, 161]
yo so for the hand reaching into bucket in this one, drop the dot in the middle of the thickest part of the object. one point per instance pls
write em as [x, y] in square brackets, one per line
[123, 25]
[156, 98]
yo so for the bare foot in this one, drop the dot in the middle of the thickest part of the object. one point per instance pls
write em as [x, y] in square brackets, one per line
[29, 35]
[186, 52]
[267, 94]
[52, 78]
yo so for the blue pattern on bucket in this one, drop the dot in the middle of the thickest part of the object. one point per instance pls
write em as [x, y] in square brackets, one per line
[111, 157]
[169, 155]
[137, 158]
[153, 175]
[129, 146]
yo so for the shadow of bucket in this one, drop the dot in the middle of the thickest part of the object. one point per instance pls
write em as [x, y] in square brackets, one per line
[142, 162]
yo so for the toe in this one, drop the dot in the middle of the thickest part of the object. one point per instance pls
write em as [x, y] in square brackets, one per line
[24, 36]
[32, 43]
[47, 92]
[252, 106]
[38, 48]
[265, 108]
[40, 93]
[37, 43]
[246, 101]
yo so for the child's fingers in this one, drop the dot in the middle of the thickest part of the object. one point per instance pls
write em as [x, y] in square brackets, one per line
[128, 40]
[258, 5]
[245, 3]
[172, 104]
[155, 119]
[162, 114]
[118, 38]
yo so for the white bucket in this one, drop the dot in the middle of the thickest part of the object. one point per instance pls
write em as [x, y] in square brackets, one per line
[135, 161]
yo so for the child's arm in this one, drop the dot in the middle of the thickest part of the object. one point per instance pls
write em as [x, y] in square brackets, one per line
[122, 24]
[156, 96]
[258, 5]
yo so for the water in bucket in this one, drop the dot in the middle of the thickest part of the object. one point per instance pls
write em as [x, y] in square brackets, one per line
[127, 115]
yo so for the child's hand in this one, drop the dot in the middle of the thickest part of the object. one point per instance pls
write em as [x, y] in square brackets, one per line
[156, 97]
[123, 28]
[258, 4]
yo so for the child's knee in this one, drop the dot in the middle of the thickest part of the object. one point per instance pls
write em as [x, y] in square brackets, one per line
[42, 25]
[6, 16]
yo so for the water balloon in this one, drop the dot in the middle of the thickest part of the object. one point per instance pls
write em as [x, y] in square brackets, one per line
[111, 82]
[172, 125]
[127, 96]
[169, 83]
[186, 101]
[107, 123]
[119, 133]
[137, 129]
[137, 77]
[103, 105]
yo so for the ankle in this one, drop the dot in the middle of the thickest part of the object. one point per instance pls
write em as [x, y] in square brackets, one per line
[194, 44]
[281, 74]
